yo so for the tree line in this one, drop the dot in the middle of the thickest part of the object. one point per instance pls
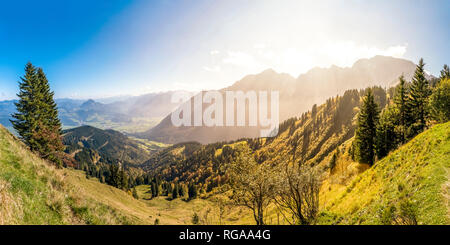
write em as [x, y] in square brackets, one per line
[414, 107]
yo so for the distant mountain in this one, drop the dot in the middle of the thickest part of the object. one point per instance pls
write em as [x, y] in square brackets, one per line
[93, 146]
[7, 108]
[126, 114]
[109, 100]
[153, 105]
[297, 95]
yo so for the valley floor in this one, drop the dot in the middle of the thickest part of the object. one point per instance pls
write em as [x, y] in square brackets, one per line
[147, 211]
[165, 211]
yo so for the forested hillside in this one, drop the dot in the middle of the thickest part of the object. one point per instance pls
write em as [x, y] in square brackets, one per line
[101, 152]
[91, 145]
[311, 137]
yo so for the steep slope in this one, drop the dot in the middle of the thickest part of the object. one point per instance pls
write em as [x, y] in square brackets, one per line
[34, 192]
[296, 95]
[411, 183]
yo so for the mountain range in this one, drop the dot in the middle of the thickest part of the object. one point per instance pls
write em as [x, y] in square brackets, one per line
[296, 95]
[127, 114]
[149, 116]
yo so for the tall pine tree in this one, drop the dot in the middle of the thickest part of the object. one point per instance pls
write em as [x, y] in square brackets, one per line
[175, 191]
[366, 132]
[49, 134]
[388, 136]
[418, 100]
[49, 106]
[25, 119]
[400, 100]
[36, 120]
[445, 73]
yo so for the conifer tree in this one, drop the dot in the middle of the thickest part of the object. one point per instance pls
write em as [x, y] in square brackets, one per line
[440, 102]
[445, 73]
[181, 191]
[50, 109]
[366, 132]
[192, 191]
[153, 189]
[135, 194]
[169, 188]
[175, 192]
[36, 120]
[25, 119]
[400, 100]
[157, 187]
[387, 138]
[123, 180]
[418, 100]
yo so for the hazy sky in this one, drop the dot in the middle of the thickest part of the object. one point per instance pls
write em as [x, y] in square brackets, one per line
[92, 49]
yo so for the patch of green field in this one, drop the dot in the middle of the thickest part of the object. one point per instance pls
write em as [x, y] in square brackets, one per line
[150, 146]
[136, 125]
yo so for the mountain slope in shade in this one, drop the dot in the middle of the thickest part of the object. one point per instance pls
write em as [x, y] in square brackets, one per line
[297, 95]
[95, 146]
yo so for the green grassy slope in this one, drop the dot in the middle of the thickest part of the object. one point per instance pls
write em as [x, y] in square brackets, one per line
[33, 192]
[415, 176]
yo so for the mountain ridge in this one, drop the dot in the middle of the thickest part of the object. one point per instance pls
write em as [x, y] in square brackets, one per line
[297, 95]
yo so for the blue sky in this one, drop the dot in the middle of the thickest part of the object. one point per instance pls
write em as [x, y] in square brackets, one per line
[94, 49]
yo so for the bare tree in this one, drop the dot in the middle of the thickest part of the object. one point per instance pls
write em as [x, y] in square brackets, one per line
[298, 193]
[253, 185]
